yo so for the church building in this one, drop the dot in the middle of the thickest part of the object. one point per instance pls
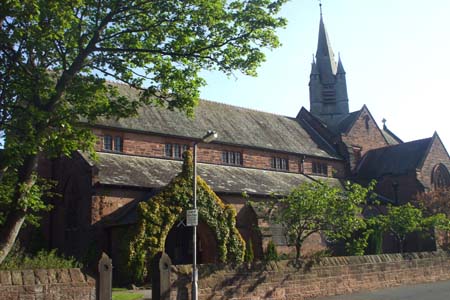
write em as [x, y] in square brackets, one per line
[256, 153]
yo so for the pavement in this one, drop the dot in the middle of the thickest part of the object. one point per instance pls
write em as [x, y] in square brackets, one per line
[427, 291]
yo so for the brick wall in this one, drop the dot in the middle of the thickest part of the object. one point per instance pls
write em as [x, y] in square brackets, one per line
[54, 284]
[367, 136]
[330, 276]
[153, 146]
[436, 155]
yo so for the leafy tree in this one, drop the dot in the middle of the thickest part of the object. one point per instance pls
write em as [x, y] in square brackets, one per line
[318, 207]
[56, 54]
[403, 220]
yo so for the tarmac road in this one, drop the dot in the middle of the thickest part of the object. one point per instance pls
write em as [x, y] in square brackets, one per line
[427, 291]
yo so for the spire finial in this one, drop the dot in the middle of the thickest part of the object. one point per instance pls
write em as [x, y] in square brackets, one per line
[384, 123]
[320, 6]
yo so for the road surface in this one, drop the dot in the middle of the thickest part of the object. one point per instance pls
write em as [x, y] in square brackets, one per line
[427, 291]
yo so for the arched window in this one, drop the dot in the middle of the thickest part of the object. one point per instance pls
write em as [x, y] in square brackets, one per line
[440, 178]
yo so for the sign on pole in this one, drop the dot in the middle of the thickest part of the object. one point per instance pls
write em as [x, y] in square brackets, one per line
[192, 217]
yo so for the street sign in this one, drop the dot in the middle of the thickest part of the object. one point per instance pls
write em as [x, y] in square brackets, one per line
[192, 217]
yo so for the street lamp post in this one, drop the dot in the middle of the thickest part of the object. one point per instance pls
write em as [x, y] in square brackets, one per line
[209, 137]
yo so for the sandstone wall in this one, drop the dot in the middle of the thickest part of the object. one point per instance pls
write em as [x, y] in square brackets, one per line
[329, 276]
[53, 284]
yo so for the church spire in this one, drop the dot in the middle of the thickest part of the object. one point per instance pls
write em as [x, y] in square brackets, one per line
[327, 86]
[325, 55]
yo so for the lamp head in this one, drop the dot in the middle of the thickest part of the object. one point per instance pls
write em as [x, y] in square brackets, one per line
[210, 136]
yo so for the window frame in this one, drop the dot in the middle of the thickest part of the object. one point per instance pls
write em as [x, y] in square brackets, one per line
[232, 158]
[279, 163]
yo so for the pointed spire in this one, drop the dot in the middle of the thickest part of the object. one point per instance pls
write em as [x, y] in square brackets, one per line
[340, 66]
[325, 54]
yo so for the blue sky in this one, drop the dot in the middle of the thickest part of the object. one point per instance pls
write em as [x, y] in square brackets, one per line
[395, 52]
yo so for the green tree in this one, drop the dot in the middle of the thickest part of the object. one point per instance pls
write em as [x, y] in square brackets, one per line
[56, 54]
[403, 220]
[318, 207]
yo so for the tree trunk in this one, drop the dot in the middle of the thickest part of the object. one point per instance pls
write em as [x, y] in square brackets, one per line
[298, 247]
[16, 216]
[9, 232]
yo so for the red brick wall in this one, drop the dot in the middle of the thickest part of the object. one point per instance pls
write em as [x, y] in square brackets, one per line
[407, 187]
[331, 276]
[436, 155]
[367, 138]
[153, 146]
[46, 285]
[107, 200]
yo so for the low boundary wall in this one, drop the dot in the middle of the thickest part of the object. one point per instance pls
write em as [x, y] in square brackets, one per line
[52, 284]
[329, 276]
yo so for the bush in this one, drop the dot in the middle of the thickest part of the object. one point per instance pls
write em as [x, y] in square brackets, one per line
[249, 256]
[271, 252]
[17, 259]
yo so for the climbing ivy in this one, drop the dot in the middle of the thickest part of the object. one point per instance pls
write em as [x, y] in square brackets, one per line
[157, 216]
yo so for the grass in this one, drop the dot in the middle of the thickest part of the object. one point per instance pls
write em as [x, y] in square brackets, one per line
[122, 295]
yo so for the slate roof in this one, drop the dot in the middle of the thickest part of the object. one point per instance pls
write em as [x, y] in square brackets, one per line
[147, 172]
[390, 137]
[234, 125]
[393, 160]
[346, 124]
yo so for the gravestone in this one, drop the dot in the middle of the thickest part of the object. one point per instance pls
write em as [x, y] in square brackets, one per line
[105, 278]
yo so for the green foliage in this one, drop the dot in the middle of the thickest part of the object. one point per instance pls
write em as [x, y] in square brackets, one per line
[249, 255]
[405, 219]
[318, 207]
[375, 241]
[56, 54]
[17, 259]
[271, 253]
[159, 214]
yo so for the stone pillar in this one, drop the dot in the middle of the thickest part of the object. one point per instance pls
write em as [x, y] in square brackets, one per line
[105, 278]
[161, 266]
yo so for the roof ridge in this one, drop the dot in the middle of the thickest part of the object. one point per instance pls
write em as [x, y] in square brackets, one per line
[404, 144]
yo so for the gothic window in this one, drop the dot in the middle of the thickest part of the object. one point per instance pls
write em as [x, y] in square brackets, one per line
[440, 178]
[366, 121]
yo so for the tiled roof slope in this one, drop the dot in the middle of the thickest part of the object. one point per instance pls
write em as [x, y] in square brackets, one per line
[345, 125]
[234, 125]
[390, 137]
[393, 160]
[136, 171]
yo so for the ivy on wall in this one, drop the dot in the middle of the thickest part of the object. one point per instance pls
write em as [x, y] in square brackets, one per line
[159, 214]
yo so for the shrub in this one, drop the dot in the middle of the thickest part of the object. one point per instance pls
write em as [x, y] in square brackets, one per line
[19, 260]
[271, 252]
[249, 256]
